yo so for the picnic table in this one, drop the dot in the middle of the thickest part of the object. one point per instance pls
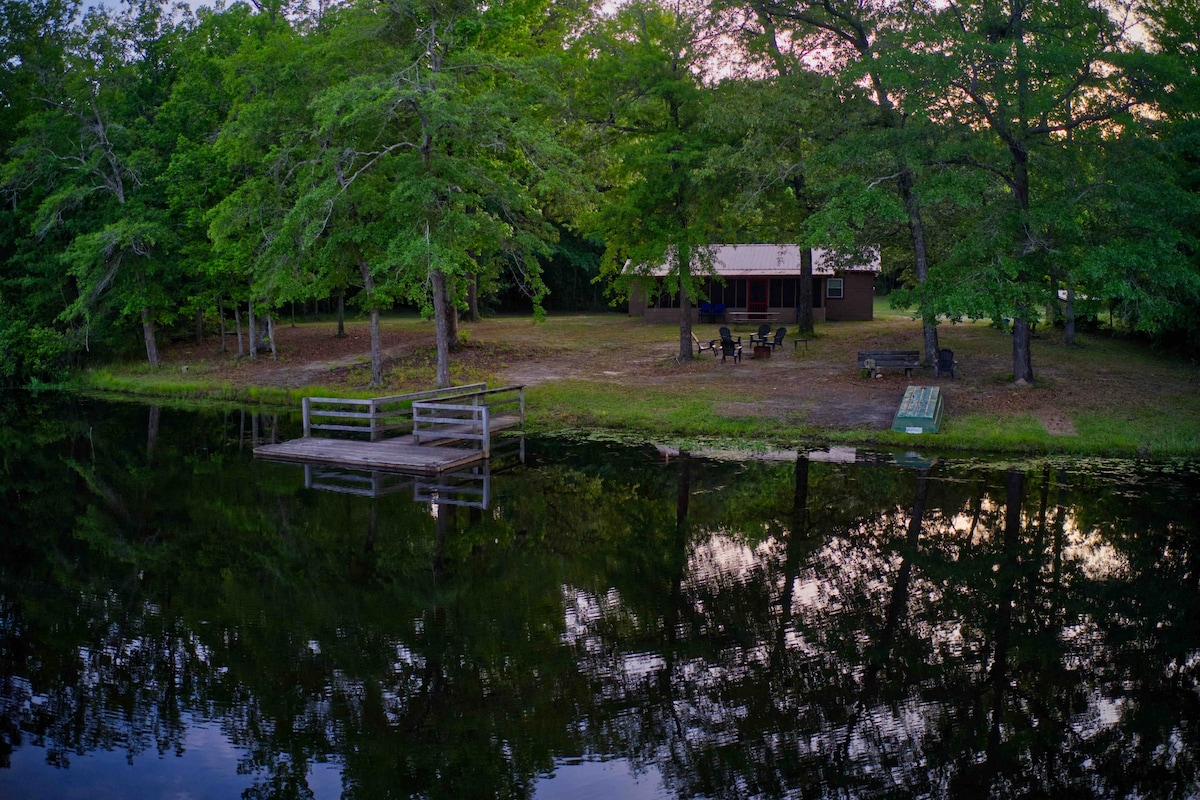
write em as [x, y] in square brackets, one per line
[743, 317]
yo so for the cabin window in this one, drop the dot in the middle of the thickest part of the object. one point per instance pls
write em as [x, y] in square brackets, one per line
[735, 293]
[712, 292]
[783, 292]
[833, 288]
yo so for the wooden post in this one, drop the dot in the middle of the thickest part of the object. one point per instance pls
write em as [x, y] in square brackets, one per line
[305, 414]
[486, 441]
[375, 432]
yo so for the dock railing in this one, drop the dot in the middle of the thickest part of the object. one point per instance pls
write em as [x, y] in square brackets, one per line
[376, 417]
[364, 483]
[469, 416]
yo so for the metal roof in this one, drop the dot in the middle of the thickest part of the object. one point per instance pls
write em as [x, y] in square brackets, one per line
[778, 260]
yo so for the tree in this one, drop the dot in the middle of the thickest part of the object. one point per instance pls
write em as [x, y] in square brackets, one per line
[649, 109]
[92, 145]
[202, 171]
[33, 38]
[1172, 136]
[457, 119]
[862, 38]
[1022, 82]
[265, 141]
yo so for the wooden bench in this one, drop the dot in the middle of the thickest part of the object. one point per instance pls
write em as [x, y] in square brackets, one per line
[874, 360]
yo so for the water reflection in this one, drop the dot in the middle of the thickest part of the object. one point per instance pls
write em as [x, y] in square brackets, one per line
[469, 486]
[608, 621]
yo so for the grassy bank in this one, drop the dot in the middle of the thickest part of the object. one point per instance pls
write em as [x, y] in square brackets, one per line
[606, 372]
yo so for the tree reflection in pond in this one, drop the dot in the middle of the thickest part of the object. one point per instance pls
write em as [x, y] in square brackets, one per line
[790, 629]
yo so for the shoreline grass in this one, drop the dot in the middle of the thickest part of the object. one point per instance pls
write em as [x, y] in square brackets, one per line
[1121, 398]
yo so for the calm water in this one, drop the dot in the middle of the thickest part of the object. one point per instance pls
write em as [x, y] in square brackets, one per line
[178, 620]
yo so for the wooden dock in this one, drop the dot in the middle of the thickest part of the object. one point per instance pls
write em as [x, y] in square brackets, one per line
[402, 429]
[398, 453]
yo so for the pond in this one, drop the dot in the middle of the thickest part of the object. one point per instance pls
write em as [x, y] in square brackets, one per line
[178, 619]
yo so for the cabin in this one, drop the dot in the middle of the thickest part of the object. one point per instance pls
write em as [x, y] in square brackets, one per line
[760, 282]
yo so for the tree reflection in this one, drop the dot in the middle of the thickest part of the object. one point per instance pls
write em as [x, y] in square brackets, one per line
[799, 629]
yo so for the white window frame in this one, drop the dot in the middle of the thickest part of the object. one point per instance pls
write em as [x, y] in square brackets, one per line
[835, 288]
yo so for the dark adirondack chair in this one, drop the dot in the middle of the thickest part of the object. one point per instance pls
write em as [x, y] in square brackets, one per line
[731, 349]
[945, 363]
[725, 334]
[761, 338]
[778, 340]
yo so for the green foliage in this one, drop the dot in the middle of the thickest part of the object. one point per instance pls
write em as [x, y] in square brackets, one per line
[158, 163]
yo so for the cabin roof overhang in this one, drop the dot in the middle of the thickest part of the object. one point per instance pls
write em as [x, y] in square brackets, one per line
[779, 260]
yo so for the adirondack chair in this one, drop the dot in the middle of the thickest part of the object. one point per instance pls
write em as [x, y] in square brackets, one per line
[731, 349]
[725, 334]
[761, 338]
[945, 363]
[702, 346]
[778, 340]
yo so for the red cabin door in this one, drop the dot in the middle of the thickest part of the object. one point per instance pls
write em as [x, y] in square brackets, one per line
[756, 295]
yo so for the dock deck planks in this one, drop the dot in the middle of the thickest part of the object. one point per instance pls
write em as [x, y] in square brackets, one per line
[461, 418]
[399, 454]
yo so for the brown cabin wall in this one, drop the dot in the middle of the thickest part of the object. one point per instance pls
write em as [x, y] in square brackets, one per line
[858, 303]
[637, 300]
[858, 300]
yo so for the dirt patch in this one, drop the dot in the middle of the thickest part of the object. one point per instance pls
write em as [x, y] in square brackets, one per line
[1056, 422]
[818, 384]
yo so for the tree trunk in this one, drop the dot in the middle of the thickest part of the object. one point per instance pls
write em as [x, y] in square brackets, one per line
[368, 280]
[685, 304]
[450, 311]
[916, 228]
[341, 313]
[237, 319]
[253, 330]
[804, 303]
[148, 335]
[264, 331]
[441, 323]
[1022, 357]
[473, 299]
[271, 336]
[199, 327]
[221, 314]
[1069, 317]
[376, 350]
[685, 327]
